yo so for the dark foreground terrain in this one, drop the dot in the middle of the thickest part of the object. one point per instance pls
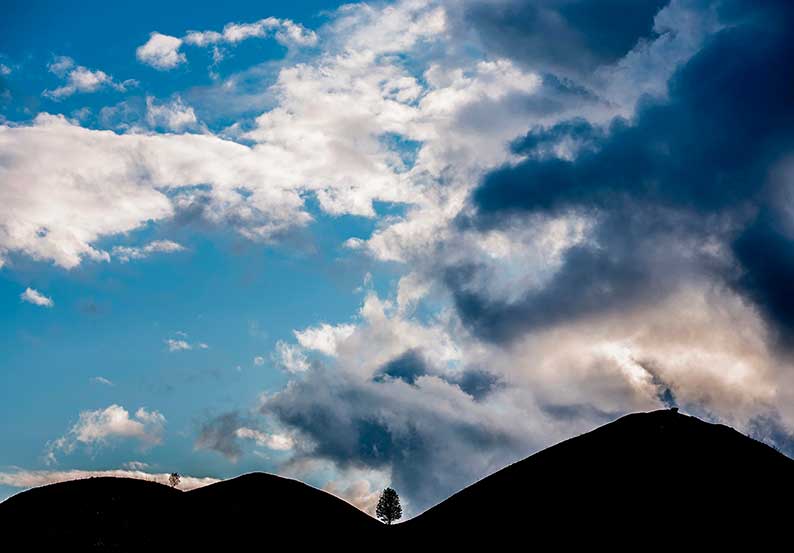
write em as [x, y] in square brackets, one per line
[646, 481]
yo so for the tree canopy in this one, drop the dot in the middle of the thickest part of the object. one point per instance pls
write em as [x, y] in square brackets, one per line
[389, 509]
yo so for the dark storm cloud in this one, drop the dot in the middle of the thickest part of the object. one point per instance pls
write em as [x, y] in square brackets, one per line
[680, 169]
[564, 36]
[411, 365]
[478, 383]
[634, 255]
[407, 367]
[390, 425]
[219, 434]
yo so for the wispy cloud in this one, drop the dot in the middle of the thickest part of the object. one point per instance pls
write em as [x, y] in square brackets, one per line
[33, 478]
[128, 253]
[98, 427]
[161, 52]
[35, 297]
[81, 79]
[182, 344]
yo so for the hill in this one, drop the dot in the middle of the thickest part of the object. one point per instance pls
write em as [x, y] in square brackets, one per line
[647, 479]
[657, 475]
[121, 514]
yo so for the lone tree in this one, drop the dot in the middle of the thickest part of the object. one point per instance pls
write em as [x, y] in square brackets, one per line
[174, 479]
[389, 509]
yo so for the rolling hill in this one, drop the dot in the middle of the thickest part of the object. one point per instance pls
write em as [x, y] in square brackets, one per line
[659, 476]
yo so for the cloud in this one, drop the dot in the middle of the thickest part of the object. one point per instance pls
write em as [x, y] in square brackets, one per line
[175, 115]
[127, 253]
[135, 465]
[224, 433]
[259, 360]
[161, 52]
[36, 298]
[98, 427]
[101, 380]
[285, 31]
[220, 434]
[568, 37]
[394, 426]
[34, 478]
[278, 442]
[182, 344]
[81, 79]
[290, 357]
[178, 345]
[676, 211]
[324, 338]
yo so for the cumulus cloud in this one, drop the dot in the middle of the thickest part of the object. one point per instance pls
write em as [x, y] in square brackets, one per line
[96, 428]
[290, 357]
[35, 297]
[136, 178]
[573, 36]
[128, 253]
[175, 115]
[224, 434]
[324, 338]
[33, 478]
[81, 79]
[161, 52]
[285, 32]
[278, 442]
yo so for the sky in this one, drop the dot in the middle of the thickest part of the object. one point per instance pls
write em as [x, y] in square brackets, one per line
[386, 244]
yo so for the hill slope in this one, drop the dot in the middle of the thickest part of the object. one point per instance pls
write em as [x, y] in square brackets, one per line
[121, 514]
[659, 473]
[657, 476]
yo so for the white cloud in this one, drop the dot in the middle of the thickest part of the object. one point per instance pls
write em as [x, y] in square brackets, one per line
[4, 70]
[259, 360]
[277, 442]
[161, 52]
[182, 344]
[177, 345]
[135, 465]
[101, 380]
[33, 478]
[61, 65]
[290, 357]
[285, 31]
[36, 298]
[81, 79]
[175, 115]
[324, 337]
[126, 253]
[95, 428]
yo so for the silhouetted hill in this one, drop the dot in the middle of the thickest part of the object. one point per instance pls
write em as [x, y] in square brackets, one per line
[645, 481]
[95, 514]
[647, 478]
[261, 509]
[121, 514]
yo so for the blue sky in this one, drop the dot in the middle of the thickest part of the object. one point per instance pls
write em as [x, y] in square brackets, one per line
[398, 243]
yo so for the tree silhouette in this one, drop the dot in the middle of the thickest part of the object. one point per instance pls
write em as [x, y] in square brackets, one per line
[389, 509]
[174, 479]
